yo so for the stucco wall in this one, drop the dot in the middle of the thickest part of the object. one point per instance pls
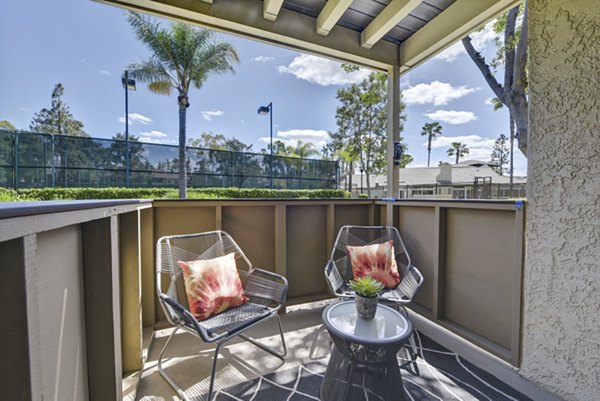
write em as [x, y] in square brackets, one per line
[561, 327]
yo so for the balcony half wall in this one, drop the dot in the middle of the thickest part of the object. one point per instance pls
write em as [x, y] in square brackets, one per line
[78, 277]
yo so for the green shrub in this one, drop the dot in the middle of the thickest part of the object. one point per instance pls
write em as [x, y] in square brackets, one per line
[34, 194]
[363, 196]
[8, 195]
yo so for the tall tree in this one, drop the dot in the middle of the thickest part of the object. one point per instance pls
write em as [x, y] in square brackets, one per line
[58, 119]
[512, 54]
[362, 124]
[5, 124]
[459, 150]
[431, 130]
[182, 56]
[500, 153]
[208, 140]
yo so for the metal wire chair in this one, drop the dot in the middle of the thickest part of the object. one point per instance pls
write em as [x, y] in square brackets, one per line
[267, 292]
[338, 270]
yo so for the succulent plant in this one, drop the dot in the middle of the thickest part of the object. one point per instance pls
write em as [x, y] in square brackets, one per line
[366, 287]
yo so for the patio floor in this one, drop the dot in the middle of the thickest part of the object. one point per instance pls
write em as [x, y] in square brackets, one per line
[248, 373]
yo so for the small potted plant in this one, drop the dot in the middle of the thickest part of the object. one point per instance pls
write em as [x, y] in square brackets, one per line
[367, 291]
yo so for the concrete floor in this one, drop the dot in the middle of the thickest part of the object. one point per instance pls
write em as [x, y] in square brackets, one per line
[188, 360]
[474, 375]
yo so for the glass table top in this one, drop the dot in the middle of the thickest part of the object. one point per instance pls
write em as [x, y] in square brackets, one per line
[388, 324]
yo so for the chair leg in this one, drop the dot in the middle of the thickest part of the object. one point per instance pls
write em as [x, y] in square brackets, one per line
[412, 352]
[270, 350]
[164, 374]
[214, 371]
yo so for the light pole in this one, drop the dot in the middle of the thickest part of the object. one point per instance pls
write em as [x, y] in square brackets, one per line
[263, 111]
[128, 85]
[361, 180]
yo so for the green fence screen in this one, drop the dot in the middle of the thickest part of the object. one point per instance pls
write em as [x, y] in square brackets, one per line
[34, 160]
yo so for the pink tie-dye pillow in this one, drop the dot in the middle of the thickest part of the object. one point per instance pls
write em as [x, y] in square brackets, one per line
[376, 261]
[212, 285]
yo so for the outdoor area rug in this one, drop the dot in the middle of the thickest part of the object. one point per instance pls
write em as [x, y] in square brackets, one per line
[443, 375]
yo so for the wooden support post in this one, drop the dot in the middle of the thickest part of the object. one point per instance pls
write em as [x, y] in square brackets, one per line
[102, 311]
[280, 240]
[131, 290]
[439, 262]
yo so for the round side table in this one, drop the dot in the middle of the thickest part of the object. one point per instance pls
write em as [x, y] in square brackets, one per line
[363, 363]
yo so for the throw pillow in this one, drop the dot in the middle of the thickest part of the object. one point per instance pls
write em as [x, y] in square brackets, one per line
[212, 285]
[376, 261]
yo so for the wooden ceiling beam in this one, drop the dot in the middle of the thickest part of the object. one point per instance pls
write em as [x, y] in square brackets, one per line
[391, 15]
[330, 15]
[292, 30]
[271, 9]
[451, 25]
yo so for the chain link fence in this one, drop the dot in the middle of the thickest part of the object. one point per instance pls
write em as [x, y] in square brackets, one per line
[36, 160]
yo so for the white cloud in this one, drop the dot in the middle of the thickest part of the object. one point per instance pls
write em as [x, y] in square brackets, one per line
[438, 93]
[209, 114]
[321, 71]
[479, 148]
[291, 137]
[479, 39]
[452, 117]
[155, 136]
[104, 72]
[136, 118]
[262, 59]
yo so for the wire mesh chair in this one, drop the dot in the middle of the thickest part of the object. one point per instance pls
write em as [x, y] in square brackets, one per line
[338, 271]
[266, 291]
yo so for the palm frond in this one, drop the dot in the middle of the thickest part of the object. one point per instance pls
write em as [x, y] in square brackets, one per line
[157, 39]
[161, 87]
[154, 73]
[215, 59]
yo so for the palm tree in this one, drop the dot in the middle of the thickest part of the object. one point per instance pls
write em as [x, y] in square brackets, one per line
[305, 150]
[181, 56]
[458, 149]
[431, 130]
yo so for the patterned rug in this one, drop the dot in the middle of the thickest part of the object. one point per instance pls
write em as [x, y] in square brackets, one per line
[443, 375]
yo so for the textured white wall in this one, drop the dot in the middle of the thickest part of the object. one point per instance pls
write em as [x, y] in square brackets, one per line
[561, 328]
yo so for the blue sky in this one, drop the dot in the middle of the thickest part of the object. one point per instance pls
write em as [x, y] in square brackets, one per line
[86, 46]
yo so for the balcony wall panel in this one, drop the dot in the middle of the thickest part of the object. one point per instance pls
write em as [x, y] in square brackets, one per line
[185, 218]
[358, 215]
[13, 315]
[253, 228]
[416, 226]
[307, 253]
[479, 275]
[173, 218]
[60, 306]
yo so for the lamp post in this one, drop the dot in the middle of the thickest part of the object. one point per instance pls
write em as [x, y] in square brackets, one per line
[263, 111]
[128, 85]
[361, 180]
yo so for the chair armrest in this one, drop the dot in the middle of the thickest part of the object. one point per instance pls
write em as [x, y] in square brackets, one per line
[179, 315]
[333, 278]
[266, 285]
[409, 286]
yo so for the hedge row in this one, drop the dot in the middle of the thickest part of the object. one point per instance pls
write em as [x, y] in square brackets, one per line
[35, 194]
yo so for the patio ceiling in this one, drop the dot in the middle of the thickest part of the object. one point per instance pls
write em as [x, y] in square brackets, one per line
[374, 33]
